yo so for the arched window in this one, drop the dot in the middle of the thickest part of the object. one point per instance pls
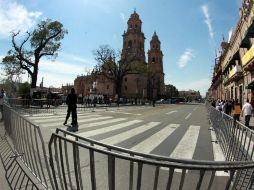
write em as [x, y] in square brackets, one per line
[153, 60]
[130, 44]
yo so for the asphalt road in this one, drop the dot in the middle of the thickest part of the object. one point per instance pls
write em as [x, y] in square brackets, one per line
[180, 131]
[174, 130]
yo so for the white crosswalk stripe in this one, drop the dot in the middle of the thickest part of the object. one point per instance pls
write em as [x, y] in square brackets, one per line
[153, 141]
[128, 134]
[109, 129]
[62, 118]
[92, 124]
[80, 121]
[186, 147]
[88, 125]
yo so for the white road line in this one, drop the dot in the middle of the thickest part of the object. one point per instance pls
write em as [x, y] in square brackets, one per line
[195, 108]
[53, 116]
[217, 153]
[79, 121]
[126, 113]
[187, 117]
[171, 112]
[186, 147]
[88, 125]
[61, 118]
[128, 134]
[155, 140]
[108, 129]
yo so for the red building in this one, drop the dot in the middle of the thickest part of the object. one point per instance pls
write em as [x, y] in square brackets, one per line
[141, 85]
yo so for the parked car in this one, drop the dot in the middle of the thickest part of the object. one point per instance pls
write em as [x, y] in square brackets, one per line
[160, 101]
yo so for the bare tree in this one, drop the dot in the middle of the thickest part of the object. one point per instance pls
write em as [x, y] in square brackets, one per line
[114, 67]
[45, 41]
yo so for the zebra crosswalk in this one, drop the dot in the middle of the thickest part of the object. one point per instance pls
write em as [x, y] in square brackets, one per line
[141, 136]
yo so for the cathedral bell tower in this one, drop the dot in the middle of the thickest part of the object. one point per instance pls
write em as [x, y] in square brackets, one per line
[155, 66]
[133, 39]
[134, 83]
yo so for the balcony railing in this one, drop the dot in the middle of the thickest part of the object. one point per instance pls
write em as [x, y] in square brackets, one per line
[248, 56]
[237, 69]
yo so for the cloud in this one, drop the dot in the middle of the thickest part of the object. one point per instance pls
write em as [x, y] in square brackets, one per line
[14, 17]
[75, 58]
[208, 20]
[122, 15]
[185, 58]
[230, 32]
[59, 67]
[55, 80]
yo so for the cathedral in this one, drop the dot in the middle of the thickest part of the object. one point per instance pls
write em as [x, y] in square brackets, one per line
[149, 85]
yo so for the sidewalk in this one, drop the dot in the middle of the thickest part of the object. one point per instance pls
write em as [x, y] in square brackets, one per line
[4, 184]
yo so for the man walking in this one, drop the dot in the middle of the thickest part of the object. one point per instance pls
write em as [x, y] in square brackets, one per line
[247, 111]
[71, 101]
[236, 111]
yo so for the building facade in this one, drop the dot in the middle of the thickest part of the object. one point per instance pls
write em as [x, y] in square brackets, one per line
[237, 61]
[135, 84]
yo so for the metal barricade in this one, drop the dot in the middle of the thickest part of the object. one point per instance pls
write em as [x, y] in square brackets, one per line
[28, 143]
[236, 141]
[82, 163]
[75, 162]
[54, 106]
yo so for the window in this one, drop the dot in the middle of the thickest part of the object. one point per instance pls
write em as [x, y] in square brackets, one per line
[130, 44]
[125, 79]
[107, 87]
[153, 60]
[125, 87]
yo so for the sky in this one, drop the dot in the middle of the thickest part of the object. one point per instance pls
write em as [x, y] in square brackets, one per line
[190, 33]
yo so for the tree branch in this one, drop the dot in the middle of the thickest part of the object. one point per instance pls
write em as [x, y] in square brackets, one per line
[19, 49]
[45, 54]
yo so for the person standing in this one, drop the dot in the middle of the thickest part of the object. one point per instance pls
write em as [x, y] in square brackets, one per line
[247, 111]
[2, 98]
[236, 110]
[71, 101]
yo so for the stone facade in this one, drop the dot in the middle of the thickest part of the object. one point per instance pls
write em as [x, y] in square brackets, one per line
[233, 76]
[135, 84]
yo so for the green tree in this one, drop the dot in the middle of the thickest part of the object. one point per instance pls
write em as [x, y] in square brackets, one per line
[45, 41]
[24, 88]
[171, 91]
[114, 67]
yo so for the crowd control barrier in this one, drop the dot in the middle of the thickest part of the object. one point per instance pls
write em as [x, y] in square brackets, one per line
[74, 162]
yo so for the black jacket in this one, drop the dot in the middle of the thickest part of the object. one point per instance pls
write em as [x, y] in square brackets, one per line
[71, 100]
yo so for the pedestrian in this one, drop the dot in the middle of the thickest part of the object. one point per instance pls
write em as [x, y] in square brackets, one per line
[218, 105]
[247, 111]
[2, 98]
[226, 107]
[236, 111]
[71, 101]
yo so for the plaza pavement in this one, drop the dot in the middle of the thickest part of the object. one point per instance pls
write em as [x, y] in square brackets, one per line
[3, 182]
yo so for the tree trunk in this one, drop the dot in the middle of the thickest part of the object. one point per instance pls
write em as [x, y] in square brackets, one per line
[34, 76]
